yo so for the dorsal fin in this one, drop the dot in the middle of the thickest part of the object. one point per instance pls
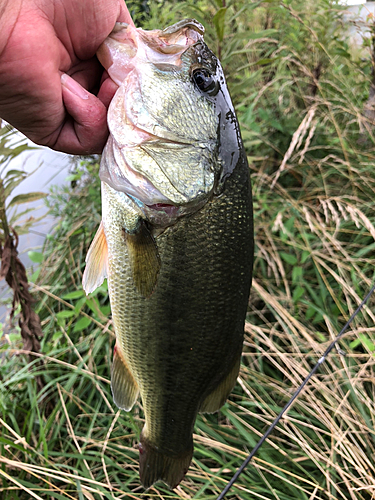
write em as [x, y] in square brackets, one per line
[96, 262]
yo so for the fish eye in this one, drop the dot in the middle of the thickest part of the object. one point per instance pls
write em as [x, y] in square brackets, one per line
[205, 81]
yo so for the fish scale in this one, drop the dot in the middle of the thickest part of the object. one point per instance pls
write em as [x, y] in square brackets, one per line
[176, 238]
[161, 332]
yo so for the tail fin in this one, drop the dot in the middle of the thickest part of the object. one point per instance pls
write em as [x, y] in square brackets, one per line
[155, 466]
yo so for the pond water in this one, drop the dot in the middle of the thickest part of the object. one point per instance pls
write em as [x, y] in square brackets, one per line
[51, 168]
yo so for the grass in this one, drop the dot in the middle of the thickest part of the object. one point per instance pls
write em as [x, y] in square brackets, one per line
[300, 92]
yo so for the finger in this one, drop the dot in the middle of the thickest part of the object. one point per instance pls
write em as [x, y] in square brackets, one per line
[85, 130]
[124, 16]
[88, 74]
[107, 90]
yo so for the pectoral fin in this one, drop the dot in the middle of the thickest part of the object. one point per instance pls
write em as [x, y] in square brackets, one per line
[96, 262]
[218, 396]
[144, 258]
[124, 387]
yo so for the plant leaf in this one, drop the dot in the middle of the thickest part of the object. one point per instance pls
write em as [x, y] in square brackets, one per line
[74, 295]
[12, 183]
[287, 257]
[24, 198]
[35, 256]
[219, 20]
[81, 324]
[65, 314]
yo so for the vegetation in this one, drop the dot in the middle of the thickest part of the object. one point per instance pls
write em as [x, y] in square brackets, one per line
[301, 93]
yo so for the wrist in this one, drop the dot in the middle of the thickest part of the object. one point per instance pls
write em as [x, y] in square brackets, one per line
[9, 11]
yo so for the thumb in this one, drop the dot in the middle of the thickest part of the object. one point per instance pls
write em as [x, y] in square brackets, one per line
[85, 129]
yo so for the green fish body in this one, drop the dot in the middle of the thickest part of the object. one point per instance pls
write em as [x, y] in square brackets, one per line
[177, 245]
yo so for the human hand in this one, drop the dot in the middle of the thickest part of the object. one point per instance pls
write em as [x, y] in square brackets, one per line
[52, 87]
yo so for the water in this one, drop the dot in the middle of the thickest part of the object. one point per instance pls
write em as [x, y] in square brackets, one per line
[359, 18]
[52, 168]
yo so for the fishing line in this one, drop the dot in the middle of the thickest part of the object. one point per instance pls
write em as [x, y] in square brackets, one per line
[293, 398]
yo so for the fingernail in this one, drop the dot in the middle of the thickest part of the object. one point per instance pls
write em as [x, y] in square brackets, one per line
[74, 86]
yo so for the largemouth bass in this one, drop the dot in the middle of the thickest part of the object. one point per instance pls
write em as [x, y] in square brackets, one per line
[176, 238]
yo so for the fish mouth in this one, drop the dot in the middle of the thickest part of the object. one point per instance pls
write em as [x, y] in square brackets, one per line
[131, 162]
[126, 43]
[156, 207]
[117, 173]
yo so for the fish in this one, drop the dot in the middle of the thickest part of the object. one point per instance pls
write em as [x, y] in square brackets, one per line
[176, 237]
